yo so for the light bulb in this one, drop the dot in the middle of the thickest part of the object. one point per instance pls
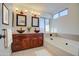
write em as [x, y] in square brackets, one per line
[17, 9]
[26, 10]
[38, 13]
[32, 12]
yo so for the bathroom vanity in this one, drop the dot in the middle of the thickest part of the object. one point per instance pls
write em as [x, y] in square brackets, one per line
[26, 41]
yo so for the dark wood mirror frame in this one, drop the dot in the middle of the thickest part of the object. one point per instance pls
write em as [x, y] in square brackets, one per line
[17, 20]
[35, 19]
[5, 11]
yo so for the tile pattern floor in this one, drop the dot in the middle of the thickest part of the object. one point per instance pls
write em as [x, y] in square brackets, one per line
[39, 51]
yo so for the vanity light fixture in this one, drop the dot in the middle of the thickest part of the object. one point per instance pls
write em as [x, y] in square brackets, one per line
[32, 12]
[25, 11]
[21, 11]
[35, 13]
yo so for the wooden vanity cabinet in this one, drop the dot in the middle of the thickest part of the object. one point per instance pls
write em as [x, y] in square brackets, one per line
[26, 41]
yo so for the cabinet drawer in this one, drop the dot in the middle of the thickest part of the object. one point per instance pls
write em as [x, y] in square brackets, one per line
[40, 42]
[35, 42]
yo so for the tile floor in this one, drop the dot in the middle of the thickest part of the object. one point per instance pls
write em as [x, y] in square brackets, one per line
[39, 51]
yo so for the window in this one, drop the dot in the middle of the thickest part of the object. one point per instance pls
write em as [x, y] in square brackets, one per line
[52, 29]
[46, 25]
[41, 24]
[64, 12]
[56, 16]
[55, 30]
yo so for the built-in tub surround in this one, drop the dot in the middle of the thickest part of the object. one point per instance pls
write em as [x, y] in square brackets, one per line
[73, 37]
[55, 50]
[69, 36]
[65, 44]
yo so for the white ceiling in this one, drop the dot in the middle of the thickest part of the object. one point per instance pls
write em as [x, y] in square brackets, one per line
[43, 7]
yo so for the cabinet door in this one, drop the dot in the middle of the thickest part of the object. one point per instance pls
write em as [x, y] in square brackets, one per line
[31, 42]
[26, 43]
[40, 41]
[35, 42]
[16, 46]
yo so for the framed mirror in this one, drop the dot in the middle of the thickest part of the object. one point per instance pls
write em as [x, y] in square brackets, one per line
[35, 22]
[20, 20]
[5, 14]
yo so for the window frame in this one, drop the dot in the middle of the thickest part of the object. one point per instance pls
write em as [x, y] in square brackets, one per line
[62, 11]
[44, 22]
[45, 25]
[55, 14]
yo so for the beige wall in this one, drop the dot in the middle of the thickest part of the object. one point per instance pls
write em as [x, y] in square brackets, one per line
[68, 24]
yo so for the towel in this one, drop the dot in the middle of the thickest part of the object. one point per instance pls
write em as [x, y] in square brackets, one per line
[8, 38]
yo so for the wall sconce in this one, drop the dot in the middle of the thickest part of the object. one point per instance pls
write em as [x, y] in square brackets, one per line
[35, 13]
[22, 11]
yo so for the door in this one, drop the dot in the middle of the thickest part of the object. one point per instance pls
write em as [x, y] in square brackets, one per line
[2, 50]
[5, 51]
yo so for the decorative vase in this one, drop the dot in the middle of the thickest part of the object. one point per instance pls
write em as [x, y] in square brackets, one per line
[29, 28]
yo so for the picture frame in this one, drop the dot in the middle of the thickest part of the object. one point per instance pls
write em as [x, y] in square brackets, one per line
[35, 21]
[12, 19]
[20, 20]
[5, 14]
